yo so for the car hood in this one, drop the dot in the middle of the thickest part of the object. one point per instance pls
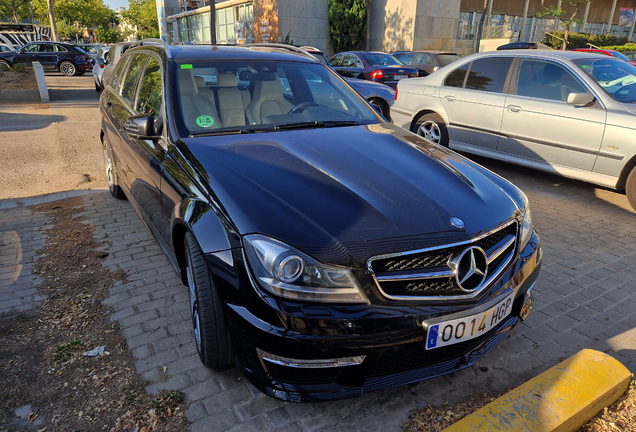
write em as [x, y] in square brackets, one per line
[348, 193]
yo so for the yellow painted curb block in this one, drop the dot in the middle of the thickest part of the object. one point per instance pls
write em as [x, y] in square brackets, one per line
[561, 399]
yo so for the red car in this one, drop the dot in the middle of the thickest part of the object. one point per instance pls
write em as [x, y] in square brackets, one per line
[607, 52]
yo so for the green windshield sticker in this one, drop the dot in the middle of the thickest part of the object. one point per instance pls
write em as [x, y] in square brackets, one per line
[585, 67]
[186, 66]
[205, 121]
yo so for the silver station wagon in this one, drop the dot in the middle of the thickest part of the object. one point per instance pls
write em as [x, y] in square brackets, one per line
[568, 113]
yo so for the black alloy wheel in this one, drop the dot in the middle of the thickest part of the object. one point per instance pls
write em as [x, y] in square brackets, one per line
[208, 321]
[68, 68]
[432, 128]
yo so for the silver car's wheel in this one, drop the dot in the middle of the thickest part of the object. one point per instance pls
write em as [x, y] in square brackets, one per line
[68, 68]
[630, 188]
[111, 176]
[432, 128]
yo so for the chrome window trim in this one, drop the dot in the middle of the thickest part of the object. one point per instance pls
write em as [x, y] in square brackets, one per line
[438, 299]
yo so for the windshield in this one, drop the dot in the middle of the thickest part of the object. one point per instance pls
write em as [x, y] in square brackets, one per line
[619, 55]
[617, 77]
[260, 96]
[446, 59]
[382, 60]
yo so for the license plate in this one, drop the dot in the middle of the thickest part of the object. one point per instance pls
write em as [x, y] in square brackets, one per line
[467, 328]
[399, 77]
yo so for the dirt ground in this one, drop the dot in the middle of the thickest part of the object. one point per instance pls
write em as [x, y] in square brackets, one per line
[48, 380]
[12, 80]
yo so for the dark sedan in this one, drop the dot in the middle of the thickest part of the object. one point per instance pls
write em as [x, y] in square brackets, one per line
[372, 66]
[326, 252]
[426, 62]
[66, 58]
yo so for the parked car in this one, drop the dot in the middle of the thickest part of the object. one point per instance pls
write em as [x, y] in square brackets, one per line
[518, 45]
[6, 48]
[372, 66]
[569, 113]
[631, 55]
[98, 69]
[376, 94]
[426, 62]
[607, 52]
[69, 59]
[91, 49]
[112, 59]
[325, 251]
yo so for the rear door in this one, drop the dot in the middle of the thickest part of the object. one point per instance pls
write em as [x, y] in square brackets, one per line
[539, 124]
[473, 98]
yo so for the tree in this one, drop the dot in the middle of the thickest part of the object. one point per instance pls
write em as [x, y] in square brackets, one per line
[347, 24]
[143, 15]
[367, 3]
[51, 9]
[557, 13]
[19, 9]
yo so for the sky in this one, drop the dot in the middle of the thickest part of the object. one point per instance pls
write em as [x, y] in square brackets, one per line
[116, 4]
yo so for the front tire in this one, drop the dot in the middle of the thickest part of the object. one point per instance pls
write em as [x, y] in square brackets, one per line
[111, 174]
[208, 321]
[384, 107]
[68, 68]
[432, 128]
[5, 65]
[630, 188]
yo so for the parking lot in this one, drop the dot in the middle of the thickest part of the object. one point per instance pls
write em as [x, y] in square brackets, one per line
[585, 296]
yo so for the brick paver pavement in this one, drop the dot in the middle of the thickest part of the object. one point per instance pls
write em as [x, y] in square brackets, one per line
[585, 298]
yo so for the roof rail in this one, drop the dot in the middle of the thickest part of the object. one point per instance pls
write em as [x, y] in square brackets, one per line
[293, 48]
[155, 41]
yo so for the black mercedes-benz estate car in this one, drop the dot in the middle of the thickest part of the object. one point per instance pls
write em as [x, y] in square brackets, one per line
[327, 253]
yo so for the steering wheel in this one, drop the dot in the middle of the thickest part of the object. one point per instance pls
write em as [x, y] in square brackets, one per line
[628, 88]
[302, 107]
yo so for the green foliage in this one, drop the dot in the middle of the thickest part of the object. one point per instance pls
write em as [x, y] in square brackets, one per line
[143, 15]
[79, 13]
[16, 10]
[347, 24]
[557, 12]
[581, 40]
[20, 67]
[107, 35]
[628, 47]
[66, 350]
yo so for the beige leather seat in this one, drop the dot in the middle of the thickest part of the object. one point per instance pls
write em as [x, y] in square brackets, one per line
[195, 108]
[267, 100]
[232, 101]
[204, 90]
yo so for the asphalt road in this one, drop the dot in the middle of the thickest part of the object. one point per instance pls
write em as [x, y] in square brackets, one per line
[54, 146]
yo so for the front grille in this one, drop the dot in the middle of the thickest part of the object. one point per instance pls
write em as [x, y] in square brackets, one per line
[428, 273]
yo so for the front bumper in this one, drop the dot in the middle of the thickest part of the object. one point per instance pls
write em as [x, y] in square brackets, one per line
[373, 347]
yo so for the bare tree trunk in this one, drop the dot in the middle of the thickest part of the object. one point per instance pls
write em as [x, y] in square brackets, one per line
[212, 22]
[480, 26]
[54, 34]
[368, 5]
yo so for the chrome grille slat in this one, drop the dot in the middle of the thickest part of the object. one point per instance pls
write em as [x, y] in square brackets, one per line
[427, 275]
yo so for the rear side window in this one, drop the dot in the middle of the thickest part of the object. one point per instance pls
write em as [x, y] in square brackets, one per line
[456, 77]
[488, 74]
[128, 87]
[423, 58]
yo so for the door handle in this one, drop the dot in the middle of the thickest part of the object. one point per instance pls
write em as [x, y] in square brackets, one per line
[514, 108]
[449, 98]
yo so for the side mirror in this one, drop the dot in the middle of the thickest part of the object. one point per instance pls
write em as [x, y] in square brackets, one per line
[143, 127]
[580, 99]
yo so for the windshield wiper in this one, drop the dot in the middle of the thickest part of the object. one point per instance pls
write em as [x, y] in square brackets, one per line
[289, 126]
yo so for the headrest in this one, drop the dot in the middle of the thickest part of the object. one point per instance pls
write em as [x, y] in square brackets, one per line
[186, 83]
[199, 80]
[251, 76]
[227, 80]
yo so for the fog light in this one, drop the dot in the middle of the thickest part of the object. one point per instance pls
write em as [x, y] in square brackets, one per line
[314, 364]
[527, 306]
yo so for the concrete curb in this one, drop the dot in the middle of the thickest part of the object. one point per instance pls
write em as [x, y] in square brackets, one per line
[561, 399]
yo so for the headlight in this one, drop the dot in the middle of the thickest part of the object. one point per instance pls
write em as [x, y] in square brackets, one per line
[289, 273]
[526, 224]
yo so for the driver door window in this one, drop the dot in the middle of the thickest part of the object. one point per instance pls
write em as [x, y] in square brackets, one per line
[150, 99]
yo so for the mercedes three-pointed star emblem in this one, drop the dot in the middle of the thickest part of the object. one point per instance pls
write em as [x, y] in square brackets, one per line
[471, 269]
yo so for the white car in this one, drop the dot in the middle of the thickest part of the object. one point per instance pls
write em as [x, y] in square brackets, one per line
[568, 113]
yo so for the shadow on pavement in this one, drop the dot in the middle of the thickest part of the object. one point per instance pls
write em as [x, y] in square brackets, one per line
[12, 122]
[73, 94]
